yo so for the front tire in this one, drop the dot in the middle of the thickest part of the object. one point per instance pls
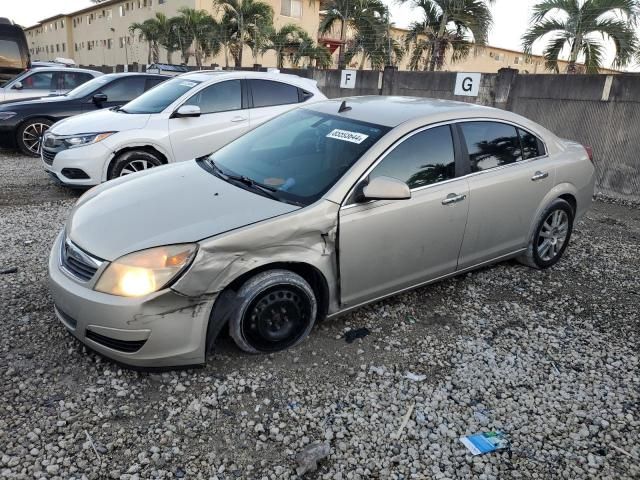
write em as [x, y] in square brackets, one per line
[131, 162]
[29, 135]
[275, 310]
[551, 236]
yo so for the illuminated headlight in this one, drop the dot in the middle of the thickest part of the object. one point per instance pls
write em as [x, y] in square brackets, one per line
[7, 115]
[85, 139]
[147, 271]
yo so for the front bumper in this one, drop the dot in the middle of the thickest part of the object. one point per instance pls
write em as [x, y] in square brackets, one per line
[90, 159]
[163, 329]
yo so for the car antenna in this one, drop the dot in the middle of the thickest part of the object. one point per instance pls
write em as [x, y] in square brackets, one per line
[343, 107]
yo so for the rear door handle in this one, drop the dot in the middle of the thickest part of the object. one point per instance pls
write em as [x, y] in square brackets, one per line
[238, 119]
[453, 198]
[539, 176]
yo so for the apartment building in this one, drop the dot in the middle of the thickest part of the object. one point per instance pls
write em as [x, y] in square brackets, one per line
[99, 35]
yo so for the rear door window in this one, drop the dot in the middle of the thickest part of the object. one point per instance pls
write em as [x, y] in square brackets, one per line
[423, 159]
[532, 146]
[491, 144]
[71, 80]
[152, 82]
[267, 93]
[124, 90]
[219, 97]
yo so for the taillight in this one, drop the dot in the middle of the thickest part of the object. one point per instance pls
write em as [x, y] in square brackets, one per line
[589, 152]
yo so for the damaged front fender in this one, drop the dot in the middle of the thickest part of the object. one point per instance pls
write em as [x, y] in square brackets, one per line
[306, 236]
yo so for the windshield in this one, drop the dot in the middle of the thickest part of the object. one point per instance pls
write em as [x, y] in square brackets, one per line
[89, 87]
[299, 155]
[160, 97]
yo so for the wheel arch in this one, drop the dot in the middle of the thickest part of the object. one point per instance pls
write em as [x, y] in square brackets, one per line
[564, 191]
[225, 301]
[32, 117]
[153, 149]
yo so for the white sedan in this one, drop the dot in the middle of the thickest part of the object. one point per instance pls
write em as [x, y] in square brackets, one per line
[184, 118]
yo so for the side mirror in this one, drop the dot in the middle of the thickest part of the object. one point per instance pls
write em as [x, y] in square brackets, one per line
[385, 188]
[17, 86]
[99, 98]
[187, 111]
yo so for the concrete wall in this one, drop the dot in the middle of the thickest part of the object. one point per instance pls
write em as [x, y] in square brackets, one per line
[601, 111]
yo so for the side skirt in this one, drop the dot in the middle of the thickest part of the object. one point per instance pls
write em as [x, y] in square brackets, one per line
[502, 258]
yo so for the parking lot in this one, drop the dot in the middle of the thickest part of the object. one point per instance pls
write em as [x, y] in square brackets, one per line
[550, 358]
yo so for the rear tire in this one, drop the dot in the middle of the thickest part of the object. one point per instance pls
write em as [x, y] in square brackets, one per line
[551, 236]
[29, 135]
[131, 162]
[275, 310]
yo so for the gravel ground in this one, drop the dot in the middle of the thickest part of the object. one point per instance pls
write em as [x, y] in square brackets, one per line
[550, 358]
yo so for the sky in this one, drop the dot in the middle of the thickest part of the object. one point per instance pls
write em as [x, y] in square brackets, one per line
[511, 17]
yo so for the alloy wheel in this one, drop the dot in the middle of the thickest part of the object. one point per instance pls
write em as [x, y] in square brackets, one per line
[553, 235]
[135, 166]
[32, 136]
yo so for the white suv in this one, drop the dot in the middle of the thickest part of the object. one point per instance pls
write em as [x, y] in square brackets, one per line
[183, 118]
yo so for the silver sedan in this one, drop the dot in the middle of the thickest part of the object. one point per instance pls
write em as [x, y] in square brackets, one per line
[315, 213]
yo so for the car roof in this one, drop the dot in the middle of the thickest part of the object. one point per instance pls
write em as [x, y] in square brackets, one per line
[208, 75]
[138, 74]
[392, 111]
[62, 68]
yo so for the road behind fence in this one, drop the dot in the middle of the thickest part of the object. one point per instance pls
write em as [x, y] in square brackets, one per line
[601, 111]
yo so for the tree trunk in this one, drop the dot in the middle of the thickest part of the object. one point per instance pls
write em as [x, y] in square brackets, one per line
[343, 39]
[572, 68]
[436, 49]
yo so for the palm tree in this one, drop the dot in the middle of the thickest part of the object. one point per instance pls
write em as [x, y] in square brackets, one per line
[244, 22]
[284, 42]
[447, 26]
[380, 48]
[166, 34]
[583, 27]
[316, 55]
[148, 31]
[359, 16]
[197, 34]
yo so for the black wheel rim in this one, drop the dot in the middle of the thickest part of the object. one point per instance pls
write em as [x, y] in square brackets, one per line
[277, 318]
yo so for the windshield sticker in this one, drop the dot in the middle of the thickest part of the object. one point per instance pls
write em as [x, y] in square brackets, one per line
[347, 136]
[188, 84]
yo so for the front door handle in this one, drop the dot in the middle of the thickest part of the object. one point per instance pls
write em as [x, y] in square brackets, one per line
[238, 119]
[539, 176]
[453, 198]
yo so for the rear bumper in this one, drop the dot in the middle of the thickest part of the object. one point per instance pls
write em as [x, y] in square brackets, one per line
[164, 329]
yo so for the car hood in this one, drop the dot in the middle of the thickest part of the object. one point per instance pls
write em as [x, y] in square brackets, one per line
[105, 120]
[176, 203]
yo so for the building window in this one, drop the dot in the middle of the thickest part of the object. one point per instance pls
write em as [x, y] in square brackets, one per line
[291, 8]
[61, 23]
[64, 47]
[109, 14]
[122, 10]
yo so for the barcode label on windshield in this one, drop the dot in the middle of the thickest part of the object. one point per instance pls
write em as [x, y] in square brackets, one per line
[347, 136]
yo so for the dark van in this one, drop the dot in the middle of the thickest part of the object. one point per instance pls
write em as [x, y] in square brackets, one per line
[14, 50]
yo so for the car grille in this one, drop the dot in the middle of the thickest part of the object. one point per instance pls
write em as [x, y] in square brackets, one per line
[78, 263]
[127, 346]
[48, 156]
